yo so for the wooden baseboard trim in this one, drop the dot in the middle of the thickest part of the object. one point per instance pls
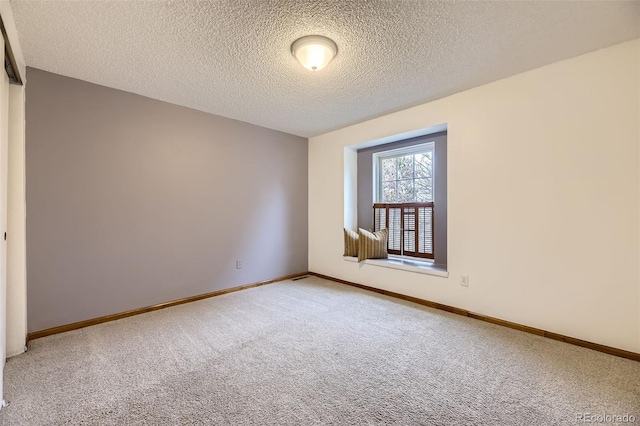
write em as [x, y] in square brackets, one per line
[555, 336]
[86, 323]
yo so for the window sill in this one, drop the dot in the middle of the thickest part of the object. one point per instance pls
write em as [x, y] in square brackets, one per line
[417, 266]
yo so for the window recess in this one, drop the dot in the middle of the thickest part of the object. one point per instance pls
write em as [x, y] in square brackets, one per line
[404, 199]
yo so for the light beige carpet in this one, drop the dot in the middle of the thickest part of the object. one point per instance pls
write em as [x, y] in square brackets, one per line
[311, 352]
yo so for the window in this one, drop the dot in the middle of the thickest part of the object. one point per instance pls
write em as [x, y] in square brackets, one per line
[404, 175]
[404, 199]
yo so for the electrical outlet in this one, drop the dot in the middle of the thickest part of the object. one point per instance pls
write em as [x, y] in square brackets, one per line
[238, 264]
[464, 280]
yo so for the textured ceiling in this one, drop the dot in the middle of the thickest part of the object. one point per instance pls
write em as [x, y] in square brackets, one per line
[233, 58]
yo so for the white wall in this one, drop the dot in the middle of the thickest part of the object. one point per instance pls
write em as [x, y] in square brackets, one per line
[14, 313]
[543, 206]
[16, 227]
[350, 189]
[4, 136]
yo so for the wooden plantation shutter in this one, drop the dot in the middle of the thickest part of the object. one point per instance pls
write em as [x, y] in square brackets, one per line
[410, 227]
[395, 224]
[409, 224]
[425, 230]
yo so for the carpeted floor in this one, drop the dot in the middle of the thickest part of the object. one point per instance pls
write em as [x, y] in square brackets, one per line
[311, 352]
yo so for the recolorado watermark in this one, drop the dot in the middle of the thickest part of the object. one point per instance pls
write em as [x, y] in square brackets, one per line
[605, 418]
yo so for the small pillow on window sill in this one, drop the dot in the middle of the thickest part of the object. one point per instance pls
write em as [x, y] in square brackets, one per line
[372, 245]
[350, 243]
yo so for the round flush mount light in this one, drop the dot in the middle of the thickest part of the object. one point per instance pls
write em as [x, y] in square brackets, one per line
[314, 52]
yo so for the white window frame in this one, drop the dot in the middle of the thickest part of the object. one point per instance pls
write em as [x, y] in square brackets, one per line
[400, 152]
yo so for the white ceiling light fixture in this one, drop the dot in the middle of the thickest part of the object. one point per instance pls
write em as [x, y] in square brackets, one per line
[314, 52]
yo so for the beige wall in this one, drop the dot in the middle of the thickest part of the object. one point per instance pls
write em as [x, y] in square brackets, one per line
[16, 227]
[543, 196]
[133, 201]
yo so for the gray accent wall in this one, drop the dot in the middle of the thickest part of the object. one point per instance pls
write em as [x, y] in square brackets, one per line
[365, 188]
[133, 201]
